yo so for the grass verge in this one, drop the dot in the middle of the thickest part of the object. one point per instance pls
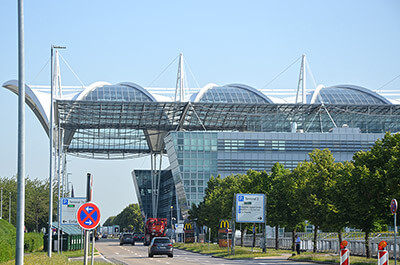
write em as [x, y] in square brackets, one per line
[56, 259]
[240, 252]
[332, 258]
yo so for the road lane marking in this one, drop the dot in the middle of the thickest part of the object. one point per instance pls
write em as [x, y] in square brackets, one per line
[109, 261]
[116, 253]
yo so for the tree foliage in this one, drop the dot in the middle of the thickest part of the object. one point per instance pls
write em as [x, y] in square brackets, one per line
[129, 219]
[36, 202]
[328, 194]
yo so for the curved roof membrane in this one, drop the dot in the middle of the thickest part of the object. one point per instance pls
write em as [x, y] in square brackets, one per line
[233, 93]
[119, 92]
[347, 94]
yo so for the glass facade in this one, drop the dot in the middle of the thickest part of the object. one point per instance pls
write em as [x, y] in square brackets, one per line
[235, 93]
[117, 93]
[142, 183]
[348, 95]
[193, 160]
[196, 156]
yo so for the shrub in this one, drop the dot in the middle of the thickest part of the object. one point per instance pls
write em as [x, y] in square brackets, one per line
[33, 242]
[7, 241]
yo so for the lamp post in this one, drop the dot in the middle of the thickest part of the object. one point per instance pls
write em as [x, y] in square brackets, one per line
[51, 132]
[1, 204]
[9, 208]
[172, 225]
[19, 246]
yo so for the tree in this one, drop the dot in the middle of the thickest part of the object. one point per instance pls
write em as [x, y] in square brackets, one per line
[282, 207]
[37, 204]
[130, 216]
[316, 181]
[109, 221]
[374, 182]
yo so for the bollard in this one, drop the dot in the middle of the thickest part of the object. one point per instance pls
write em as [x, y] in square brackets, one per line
[383, 255]
[344, 253]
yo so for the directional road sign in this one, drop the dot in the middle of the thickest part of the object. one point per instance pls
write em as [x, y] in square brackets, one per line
[250, 208]
[88, 215]
[69, 206]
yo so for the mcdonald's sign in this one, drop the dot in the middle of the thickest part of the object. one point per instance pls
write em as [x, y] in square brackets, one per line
[225, 224]
[188, 226]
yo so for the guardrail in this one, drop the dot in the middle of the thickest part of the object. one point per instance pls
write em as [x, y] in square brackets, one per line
[331, 245]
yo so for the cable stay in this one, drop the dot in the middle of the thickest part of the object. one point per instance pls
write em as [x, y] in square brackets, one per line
[163, 71]
[72, 71]
[387, 83]
[273, 79]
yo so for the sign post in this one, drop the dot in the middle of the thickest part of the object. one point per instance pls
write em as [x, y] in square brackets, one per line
[69, 206]
[250, 208]
[88, 216]
[393, 209]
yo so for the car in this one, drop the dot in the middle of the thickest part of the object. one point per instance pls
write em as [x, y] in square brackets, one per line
[161, 246]
[104, 236]
[126, 238]
[138, 237]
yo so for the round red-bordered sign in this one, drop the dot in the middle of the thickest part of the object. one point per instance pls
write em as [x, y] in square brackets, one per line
[393, 206]
[88, 215]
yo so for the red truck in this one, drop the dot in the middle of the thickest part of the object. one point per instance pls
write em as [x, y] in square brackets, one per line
[154, 227]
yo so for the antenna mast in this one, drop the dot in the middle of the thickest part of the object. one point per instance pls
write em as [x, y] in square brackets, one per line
[302, 82]
[180, 81]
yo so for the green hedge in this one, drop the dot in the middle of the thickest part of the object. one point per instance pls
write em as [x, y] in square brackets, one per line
[7, 241]
[33, 242]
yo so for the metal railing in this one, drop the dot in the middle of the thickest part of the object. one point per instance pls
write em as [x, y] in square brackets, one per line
[327, 242]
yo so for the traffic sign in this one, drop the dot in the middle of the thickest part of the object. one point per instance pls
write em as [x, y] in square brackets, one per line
[69, 206]
[250, 208]
[88, 215]
[393, 206]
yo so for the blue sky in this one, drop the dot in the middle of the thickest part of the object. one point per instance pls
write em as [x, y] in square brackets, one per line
[250, 42]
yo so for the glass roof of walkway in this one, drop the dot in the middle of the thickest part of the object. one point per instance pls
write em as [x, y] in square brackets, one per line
[117, 129]
[122, 120]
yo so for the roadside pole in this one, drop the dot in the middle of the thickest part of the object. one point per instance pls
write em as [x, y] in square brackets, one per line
[233, 223]
[93, 239]
[393, 209]
[209, 238]
[88, 199]
[265, 228]
[227, 242]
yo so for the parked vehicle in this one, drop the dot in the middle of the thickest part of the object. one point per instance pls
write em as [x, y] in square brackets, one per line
[126, 238]
[154, 227]
[138, 237]
[161, 246]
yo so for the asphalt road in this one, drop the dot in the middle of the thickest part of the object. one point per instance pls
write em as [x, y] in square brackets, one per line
[127, 254]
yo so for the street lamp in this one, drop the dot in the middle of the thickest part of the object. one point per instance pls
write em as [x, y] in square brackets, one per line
[51, 132]
[172, 207]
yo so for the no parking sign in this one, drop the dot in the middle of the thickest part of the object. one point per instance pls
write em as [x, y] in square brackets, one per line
[88, 215]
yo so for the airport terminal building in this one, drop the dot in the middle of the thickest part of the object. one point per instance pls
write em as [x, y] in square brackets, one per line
[219, 130]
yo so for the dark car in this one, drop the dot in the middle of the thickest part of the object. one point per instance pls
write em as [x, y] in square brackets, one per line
[161, 246]
[126, 238]
[138, 237]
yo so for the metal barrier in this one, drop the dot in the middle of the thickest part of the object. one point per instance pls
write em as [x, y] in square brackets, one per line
[356, 246]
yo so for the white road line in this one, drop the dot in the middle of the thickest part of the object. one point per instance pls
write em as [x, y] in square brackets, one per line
[109, 261]
[116, 253]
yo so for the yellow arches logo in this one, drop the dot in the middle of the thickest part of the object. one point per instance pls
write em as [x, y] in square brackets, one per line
[224, 224]
[188, 226]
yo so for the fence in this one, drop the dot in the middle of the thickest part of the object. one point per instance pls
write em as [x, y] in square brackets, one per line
[327, 242]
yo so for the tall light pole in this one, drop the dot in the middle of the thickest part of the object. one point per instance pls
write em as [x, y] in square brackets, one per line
[9, 208]
[51, 132]
[19, 249]
[1, 204]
